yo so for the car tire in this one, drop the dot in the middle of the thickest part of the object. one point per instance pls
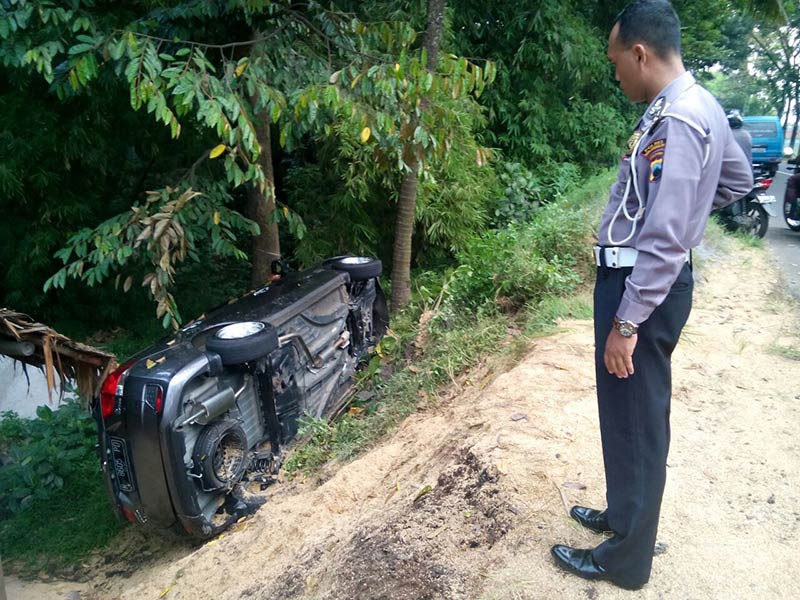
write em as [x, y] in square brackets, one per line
[220, 455]
[360, 268]
[243, 342]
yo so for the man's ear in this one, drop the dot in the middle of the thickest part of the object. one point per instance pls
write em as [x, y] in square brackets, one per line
[639, 53]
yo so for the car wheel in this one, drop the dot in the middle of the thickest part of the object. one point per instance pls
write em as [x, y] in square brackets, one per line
[243, 342]
[220, 455]
[360, 268]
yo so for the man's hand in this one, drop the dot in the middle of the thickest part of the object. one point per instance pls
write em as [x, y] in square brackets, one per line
[618, 356]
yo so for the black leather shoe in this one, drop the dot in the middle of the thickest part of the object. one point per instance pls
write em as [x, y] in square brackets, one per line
[591, 519]
[582, 563]
[579, 562]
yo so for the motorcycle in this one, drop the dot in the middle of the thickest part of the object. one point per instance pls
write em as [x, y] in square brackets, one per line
[791, 206]
[750, 214]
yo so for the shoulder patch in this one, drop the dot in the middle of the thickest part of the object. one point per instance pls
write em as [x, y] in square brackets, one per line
[656, 166]
[654, 152]
[655, 148]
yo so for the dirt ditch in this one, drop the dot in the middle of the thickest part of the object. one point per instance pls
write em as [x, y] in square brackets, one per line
[467, 496]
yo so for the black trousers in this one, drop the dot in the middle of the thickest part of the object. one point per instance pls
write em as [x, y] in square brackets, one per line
[634, 424]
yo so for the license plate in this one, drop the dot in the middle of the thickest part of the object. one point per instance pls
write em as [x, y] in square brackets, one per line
[122, 470]
[765, 198]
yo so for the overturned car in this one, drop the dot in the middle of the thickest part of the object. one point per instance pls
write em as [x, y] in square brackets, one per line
[185, 421]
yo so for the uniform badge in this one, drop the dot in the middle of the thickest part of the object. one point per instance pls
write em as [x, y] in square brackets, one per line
[632, 142]
[657, 108]
[654, 152]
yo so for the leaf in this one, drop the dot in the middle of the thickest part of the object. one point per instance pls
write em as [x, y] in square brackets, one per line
[165, 591]
[286, 211]
[240, 69]
[365, 133]
[426, 490]
[127, 285]
[217, 151]
[216, 217]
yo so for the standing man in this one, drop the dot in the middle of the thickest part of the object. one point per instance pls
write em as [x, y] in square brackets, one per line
[680, 162]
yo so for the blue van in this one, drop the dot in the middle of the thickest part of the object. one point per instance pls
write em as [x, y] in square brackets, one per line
[767, 134]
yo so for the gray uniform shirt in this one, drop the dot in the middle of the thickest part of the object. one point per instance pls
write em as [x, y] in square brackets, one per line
[745, 141]
[682, 174]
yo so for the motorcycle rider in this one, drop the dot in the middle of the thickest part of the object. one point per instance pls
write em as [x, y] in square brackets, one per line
[793, 189]
[741, 135]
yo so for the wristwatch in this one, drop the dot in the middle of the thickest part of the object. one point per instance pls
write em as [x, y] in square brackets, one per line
[625, 328]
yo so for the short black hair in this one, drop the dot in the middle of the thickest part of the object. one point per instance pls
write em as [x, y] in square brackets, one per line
[653, 23]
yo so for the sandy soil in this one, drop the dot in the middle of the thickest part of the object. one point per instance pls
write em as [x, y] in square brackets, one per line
[466, 498]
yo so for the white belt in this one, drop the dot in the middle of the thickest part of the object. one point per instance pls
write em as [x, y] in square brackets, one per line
[618, 257]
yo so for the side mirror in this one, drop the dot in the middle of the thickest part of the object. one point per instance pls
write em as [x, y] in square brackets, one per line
[787, 151]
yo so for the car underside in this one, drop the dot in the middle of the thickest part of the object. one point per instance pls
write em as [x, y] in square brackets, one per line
[189, 423]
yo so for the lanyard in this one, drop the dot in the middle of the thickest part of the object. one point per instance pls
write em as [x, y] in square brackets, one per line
[634, 178]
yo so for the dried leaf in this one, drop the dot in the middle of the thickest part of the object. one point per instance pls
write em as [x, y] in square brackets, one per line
[426, 490]
[574, 485]
[355, 410]
[365, 133]
[217, 150]
[128, 283]
[519, 416]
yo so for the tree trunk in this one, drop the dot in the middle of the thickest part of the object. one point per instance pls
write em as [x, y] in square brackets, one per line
[260, 204]
[407, 201]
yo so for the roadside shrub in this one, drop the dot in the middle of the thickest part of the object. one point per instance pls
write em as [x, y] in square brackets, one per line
[524, 192]
[521, 263]
[37, 455]
[521, 194]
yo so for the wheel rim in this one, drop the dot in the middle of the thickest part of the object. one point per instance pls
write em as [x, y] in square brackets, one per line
[229, 458]
[354, 260]
[756, 221]
[240, 330]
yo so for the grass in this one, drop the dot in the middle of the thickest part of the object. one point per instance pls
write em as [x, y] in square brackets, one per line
[61, 532]
[790, 352]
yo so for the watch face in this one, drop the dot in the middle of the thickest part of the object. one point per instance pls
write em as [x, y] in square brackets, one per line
[626, 329]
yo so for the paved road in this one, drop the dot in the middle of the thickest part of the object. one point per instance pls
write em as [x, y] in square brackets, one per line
[784, 243]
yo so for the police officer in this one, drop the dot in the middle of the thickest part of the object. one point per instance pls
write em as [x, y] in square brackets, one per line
[680, 162]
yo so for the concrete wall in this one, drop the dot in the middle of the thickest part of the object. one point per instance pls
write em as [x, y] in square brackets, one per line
[17, 395]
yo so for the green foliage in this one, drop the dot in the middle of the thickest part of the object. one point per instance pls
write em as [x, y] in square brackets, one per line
[233, 70]
[520, 264]
[54, 509]
[554, 99]
[40, 454]
[523, 192]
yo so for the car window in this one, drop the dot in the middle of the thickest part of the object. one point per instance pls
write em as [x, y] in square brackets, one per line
[762, 129]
